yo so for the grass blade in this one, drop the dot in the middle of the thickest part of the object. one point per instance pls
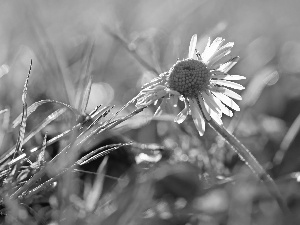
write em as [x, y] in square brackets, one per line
[94, 194]
[53, 116]
[48, 120]
[35, 105]
[86, 82]
[24, 113]
[286, 142]
[5, 125]
[131, 50]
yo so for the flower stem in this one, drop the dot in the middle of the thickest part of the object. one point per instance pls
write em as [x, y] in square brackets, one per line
[251, 161]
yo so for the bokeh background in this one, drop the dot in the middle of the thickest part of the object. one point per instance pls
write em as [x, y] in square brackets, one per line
[58, 36]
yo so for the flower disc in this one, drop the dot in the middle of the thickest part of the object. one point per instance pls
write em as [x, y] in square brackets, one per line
[189, 77]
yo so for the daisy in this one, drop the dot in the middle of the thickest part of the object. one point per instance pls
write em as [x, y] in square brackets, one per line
[201, 81]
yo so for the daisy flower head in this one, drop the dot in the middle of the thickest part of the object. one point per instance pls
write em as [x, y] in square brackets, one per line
[201, 81]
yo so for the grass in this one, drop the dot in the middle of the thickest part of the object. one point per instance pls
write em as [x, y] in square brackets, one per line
[62, 162]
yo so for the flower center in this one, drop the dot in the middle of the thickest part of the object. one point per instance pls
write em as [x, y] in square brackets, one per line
[189, 77]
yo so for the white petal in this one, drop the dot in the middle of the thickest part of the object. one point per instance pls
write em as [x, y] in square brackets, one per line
[216, 44]
[154, 81]
[197, 117]
[216, 117]
[217, 72]
[214, 64]
[192, 47]
[227, 66]
[235, 77]
[153, 88]
[161, 108]
[228, 84]
[229, 77]
[204, 53]
[210, 102]
[224, 109]
[227, 92]
[158, 111]
[181, 116]
[219, 59]
[226, 100]
[224, 50]
[203, 109]
[231, 94]
[227, 45]
[213, 49]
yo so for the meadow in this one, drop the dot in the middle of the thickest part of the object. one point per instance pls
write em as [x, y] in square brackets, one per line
[150, 112]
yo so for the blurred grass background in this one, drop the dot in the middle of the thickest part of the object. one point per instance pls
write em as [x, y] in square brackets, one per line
[57, 35]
